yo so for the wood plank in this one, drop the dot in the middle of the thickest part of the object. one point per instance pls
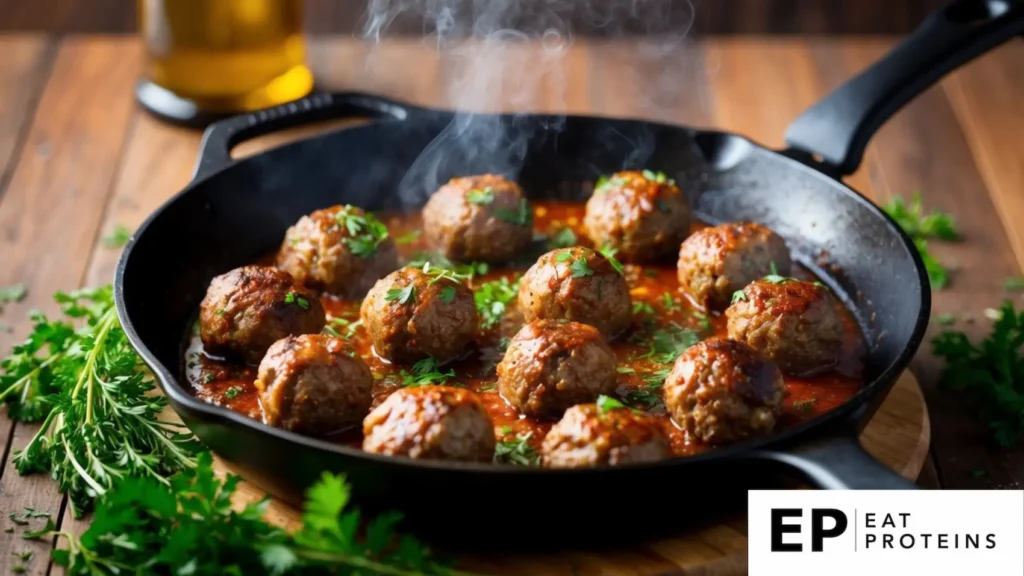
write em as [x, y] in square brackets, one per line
[923, 148]
[22, 74]
[51, 211]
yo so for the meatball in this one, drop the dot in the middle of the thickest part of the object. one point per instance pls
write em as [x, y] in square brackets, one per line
[484, 218]
[340, 250]
[715, 262]
[249, 308]
[551, 365]
[793, 323]
[431, 422]
[580, 285]
[411, 314]
[721, 391]
[311, 385]
[643, 215]
[588, 436]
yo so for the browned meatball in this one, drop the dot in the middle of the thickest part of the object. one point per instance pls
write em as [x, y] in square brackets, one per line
[721, 391]
[551, 365]
[340, 250]
[715, 262]
[311, 385]
[643, 215]
[588, 436]
[793, 323]
[431, 422]
[249, 308]
[576, 284]
[484, 218]
[411, 314]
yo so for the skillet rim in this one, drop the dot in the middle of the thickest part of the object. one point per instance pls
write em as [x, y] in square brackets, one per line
[774, 443]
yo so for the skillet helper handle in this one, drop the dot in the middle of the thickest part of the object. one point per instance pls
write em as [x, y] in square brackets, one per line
[839, 127]
[841, 463]
[220, 137]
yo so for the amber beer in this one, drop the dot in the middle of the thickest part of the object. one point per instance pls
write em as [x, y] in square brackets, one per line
[222, 56]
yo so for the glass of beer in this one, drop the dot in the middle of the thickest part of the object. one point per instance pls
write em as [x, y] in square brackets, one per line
[206, 59]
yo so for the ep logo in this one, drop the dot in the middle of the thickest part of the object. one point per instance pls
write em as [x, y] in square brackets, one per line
[820, 523]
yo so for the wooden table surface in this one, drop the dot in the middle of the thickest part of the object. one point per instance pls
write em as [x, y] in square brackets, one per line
[77, 158]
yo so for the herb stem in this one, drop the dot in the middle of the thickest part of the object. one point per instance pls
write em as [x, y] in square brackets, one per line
[28, 377]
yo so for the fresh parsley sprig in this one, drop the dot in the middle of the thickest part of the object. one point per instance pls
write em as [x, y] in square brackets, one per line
[517, 450]
[91, 391]
[461, 270]
[990, 373]
[493, 298]
[921, 227]
[424, 372]
[521, 216]
[190, 527]
[365, 231]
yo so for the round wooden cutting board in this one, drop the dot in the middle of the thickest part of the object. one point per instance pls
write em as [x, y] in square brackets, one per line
[898, 436]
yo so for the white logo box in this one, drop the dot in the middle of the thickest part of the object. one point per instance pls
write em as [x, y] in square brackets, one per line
[934, 532]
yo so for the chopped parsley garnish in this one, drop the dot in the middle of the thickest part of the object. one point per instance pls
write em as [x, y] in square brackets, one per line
[365, 231]
[516, 451]
[738, 296]
[669, 303]
[1014, 283]
[232, 392]
[649, 397]
[776, 279]
[658, 177]
[118, 237]
[293, 298]
[565, 238]
[580, 268]
[448, 294]
[601, 182]
[641, 307]
[425, 372]
[408, 238]
[401, 295]
[492, 300]
[920, 227]
[335, 325]
[702, 319]
[990, 374]
[439, 273]
[666, 343]
[437, 262]
[12, 293]
[521, 217]
[607, 403]
[480, 196]
[609, 253]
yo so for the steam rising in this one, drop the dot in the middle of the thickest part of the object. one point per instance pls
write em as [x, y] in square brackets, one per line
[511, 56]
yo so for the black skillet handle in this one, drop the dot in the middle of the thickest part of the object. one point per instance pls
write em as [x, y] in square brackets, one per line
[220, 137]
[840, 463]
[838, 128]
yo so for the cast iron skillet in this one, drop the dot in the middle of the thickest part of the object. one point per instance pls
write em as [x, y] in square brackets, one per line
[236, 211]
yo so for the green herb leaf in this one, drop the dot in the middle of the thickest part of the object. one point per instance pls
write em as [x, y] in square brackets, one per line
[92, 393]
[118, 237]
[493, 298]
[989, 374]
[425, 372]
[365, 231]
[609, 253]
[738, 296]
[521, 217]
[607, 403]
[516, 451]
[920, 227]
[448, 294]
[580, 269]
[658, 177]
[601, 182]
[437, 263]
[232, 392]
[402, 295]
[13, 293]
[481, 196]
[565, 238]
[408, 238]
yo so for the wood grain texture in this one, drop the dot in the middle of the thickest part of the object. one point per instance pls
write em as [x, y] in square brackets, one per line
[924, 149]
[898, 436]
[50, 215]
[23, 70]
